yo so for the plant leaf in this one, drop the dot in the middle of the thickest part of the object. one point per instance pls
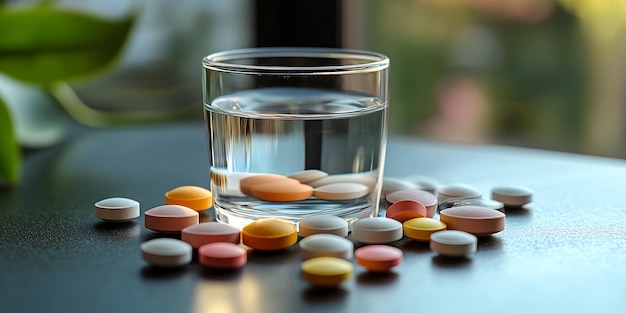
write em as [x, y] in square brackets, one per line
[42, 45]
[10, 156]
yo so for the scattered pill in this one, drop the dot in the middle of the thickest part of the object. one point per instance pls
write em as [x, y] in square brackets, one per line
[491, 204]
[269, 234]
[341, 191]
[194, 197]
[457, 191]
[378, 258]
[405, 210]
[421, 228]
[326, 271]
[245, 184]
[475, 220]
[281, 191]
[223, 255]
[308, 175]
[117, 209]
[453, 243]
[326, 245]
[425, 198]
[392, 184]
[376, 230]
[166, 252]
[170, 218]
[203, 233]
[513, 196]
[323, 224]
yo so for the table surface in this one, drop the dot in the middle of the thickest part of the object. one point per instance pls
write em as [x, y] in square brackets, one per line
[566, 251]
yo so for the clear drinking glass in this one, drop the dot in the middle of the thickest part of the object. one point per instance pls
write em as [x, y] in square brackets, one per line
[317, 115]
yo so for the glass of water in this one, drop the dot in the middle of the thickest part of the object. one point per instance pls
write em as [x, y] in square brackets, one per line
[295, 132]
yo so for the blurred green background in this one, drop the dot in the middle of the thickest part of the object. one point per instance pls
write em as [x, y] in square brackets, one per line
[536, 73]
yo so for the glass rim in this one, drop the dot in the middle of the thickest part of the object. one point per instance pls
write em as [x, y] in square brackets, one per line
[221, 61]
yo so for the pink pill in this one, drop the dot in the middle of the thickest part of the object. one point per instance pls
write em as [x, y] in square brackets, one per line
[170, 218]
[203, 233]
[223, 255]
[378, 258]
[479, 221]
[427, 199]
[405, 210]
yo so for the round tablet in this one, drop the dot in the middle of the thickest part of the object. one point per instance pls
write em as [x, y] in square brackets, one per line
[166, 252]
[375, 230]
[363, 179]
[208, 232]
[326, 271]
[326, 245]
[425, 198]
[281, 191]
[245, 184]
[425, 183]
[453, 243]
[170, 218]
[269, 234]
[486, 203]
[421, 228]
[378, 258]
[194, 197]
[457, 191]
[475, 220]
[308, 175]
[341, 191]
[405, 210]
[323, 224]
[117, 209]
[513, 196]
[224, 255]
[392, 184]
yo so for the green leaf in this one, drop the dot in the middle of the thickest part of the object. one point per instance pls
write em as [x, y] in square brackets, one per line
[10, 157]
[42, 45]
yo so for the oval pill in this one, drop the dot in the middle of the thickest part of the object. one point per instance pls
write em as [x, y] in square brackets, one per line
[308, 175]
[326, 271]
[457, 191]
[208, 232]
[513, 196]
[323, 224]
[486, 203]
[194, 197]
[425, 198]
[245, 184]
[376, 230]
[117, 209]
[378, 258]
[269, 234]
[166, 252]
[319, 245]
[363, 179]
[170, 218]
[341, 191]
[453, 243]
[475, 220]
[281, 191]
[223, 255]
[405, 210]
[421, 228]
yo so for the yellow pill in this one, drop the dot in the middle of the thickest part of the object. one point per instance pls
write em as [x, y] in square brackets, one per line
[326, 271]
[269, 234]
[421, 228]
[194, 197]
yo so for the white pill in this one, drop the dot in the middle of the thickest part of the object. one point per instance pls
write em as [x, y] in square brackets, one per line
[391, 184]
[323, 224]
[485, 203]
[364, 179]
[512, 195]
[166, 252]
[117, 209]
[457, 191]
[340, 191]
[319, 245]
[453, 243]
[376, 230]
[308, 175]
[424, 183]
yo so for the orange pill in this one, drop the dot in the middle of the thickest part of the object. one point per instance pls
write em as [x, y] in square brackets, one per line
[194, 197]
[405, 210]
[247, 183]
[170, 218]
[475, 220]
[281, 191]
[269, 234]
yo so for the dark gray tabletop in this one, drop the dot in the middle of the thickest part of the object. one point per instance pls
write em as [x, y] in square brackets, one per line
[565, 252]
